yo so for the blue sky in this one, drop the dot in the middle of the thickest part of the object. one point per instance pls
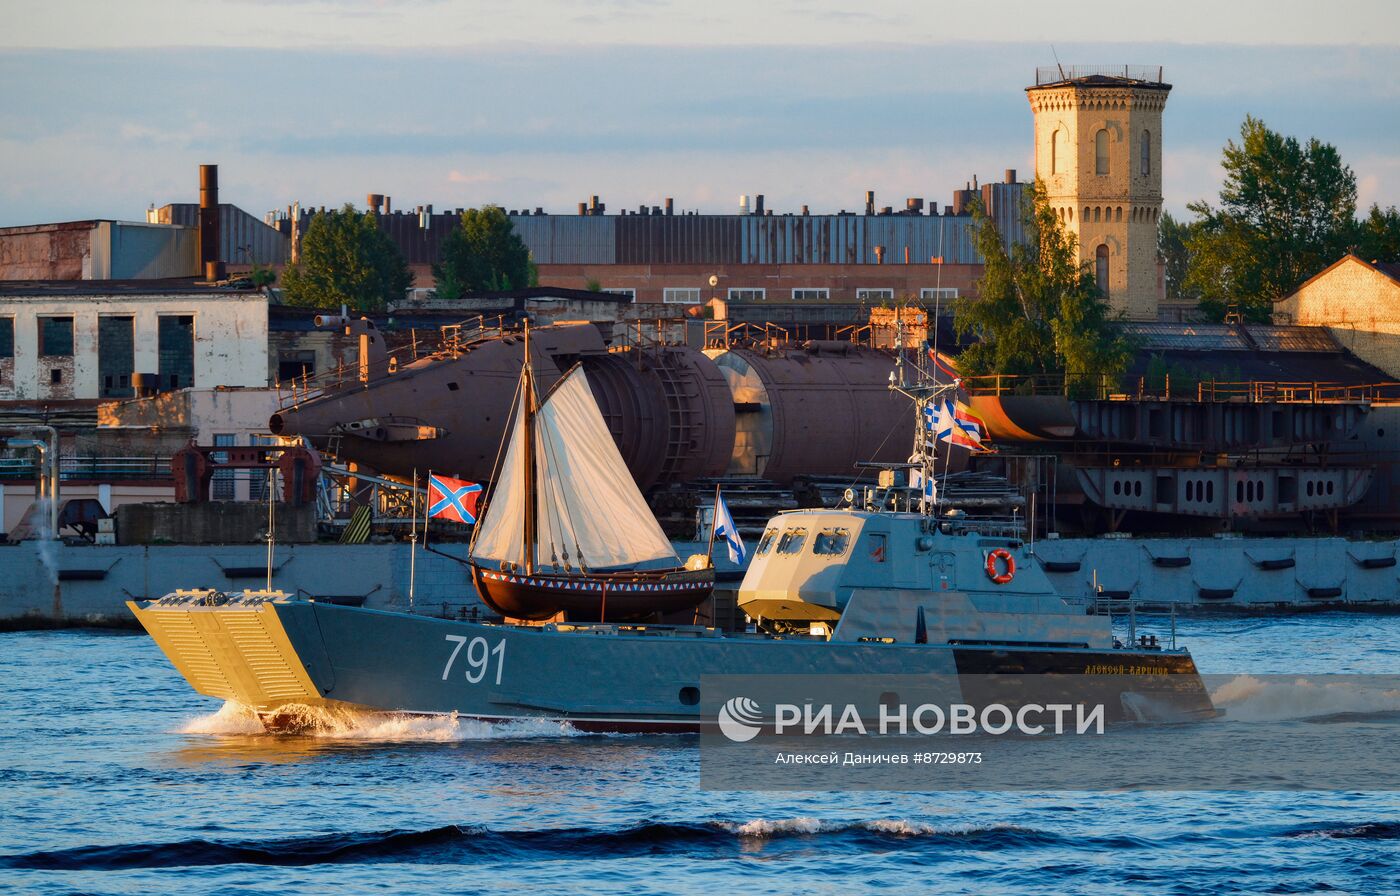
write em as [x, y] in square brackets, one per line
[111, 107]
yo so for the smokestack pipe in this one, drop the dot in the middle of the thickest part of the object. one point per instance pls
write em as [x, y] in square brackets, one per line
[670, 206]
[870, 202]
[209, 238]
[758, 204]
[1010, 176]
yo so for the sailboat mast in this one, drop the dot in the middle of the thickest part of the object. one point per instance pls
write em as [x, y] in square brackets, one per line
[528, 455]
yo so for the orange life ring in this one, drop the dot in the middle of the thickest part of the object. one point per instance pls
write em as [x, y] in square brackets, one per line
[1001, 578]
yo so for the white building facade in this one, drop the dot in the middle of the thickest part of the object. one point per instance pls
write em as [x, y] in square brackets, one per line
[61, 343]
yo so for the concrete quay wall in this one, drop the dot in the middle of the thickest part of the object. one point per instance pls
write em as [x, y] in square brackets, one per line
[52, 582]
[91, 583]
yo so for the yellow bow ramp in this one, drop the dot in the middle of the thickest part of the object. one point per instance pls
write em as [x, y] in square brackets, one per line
[235, 651]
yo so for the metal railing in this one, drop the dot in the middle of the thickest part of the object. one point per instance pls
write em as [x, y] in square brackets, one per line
[99, 468]
[1100, 387]
[452, 339]
[1055, 74]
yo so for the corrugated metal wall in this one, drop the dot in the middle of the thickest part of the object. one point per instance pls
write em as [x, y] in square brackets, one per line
[752, 239]
[722, 239]
[576, 239]
[243, 239]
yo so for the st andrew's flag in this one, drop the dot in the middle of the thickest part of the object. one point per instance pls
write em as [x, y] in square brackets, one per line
[453, 499]
[725, 528]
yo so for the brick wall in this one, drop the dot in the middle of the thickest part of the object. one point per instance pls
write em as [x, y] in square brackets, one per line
[1358, 304]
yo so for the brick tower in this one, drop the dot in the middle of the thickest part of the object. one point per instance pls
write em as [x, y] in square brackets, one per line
[1098, 149]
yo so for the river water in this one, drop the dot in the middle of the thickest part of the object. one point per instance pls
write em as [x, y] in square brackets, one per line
[116, 778]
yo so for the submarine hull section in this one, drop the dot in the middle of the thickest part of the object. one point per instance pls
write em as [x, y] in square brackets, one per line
[819, 410]
[668, 409]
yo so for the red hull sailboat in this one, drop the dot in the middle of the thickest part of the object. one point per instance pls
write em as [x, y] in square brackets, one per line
[566, 528]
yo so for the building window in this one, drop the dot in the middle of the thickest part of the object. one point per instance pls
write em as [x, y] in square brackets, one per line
[175, 350]
[295, 365]
[7, 337]
[681, 295]
[1101, 152]
[810, 294]
[1057, 152]
[223, 479]
[1145, 154]
[873, 295]
[746, 295]
[629, 293]
[115, 355]
[56, 337]
[1101, 268]
[942, 292]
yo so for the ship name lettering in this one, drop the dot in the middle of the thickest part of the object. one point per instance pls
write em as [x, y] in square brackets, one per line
[1120, 669]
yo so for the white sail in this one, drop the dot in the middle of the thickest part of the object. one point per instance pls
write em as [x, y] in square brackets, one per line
[500, 536]
[589, 514]
[590, 507]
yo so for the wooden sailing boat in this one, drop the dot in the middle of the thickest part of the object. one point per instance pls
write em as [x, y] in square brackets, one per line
[565, 526]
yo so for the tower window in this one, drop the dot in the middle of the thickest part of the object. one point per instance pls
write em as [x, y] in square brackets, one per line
[1101, 268]
[1057, 152]
[1101, 152]
[1145, 153]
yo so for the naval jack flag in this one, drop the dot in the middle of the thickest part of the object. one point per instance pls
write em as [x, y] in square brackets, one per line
[453, 499]
[724, 528]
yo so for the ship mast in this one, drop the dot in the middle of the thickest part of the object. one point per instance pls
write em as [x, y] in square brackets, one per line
[527, 433]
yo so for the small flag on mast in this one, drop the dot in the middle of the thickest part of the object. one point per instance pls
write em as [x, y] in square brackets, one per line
[725, 528]
[453, 499]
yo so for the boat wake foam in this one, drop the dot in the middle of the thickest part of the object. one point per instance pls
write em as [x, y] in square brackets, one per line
[349, 725]
[1246, 698]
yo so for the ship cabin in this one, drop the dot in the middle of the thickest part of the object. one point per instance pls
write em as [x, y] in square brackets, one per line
[850, 575]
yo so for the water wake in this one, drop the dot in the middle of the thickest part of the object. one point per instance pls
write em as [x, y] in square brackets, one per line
[453, 843]
[1246, 698]
[1376, 830]
[348, 725]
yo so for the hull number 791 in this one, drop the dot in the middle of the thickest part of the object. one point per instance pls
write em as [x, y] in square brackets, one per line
[479, 656]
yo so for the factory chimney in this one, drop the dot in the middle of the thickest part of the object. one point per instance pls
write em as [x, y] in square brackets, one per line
[209, 264]
[870, 202]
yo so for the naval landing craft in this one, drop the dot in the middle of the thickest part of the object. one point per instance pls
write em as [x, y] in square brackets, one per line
[833, 591]
[884, 589]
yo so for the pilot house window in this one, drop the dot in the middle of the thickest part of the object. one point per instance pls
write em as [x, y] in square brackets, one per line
[831, 541]
[791, 542]
[765, 544]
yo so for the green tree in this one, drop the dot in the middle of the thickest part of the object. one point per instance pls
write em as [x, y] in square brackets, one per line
[346, 259]
[1038, 309]
[1378, 235]
[1287, 210]
[483, 254]
[1172, 237]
